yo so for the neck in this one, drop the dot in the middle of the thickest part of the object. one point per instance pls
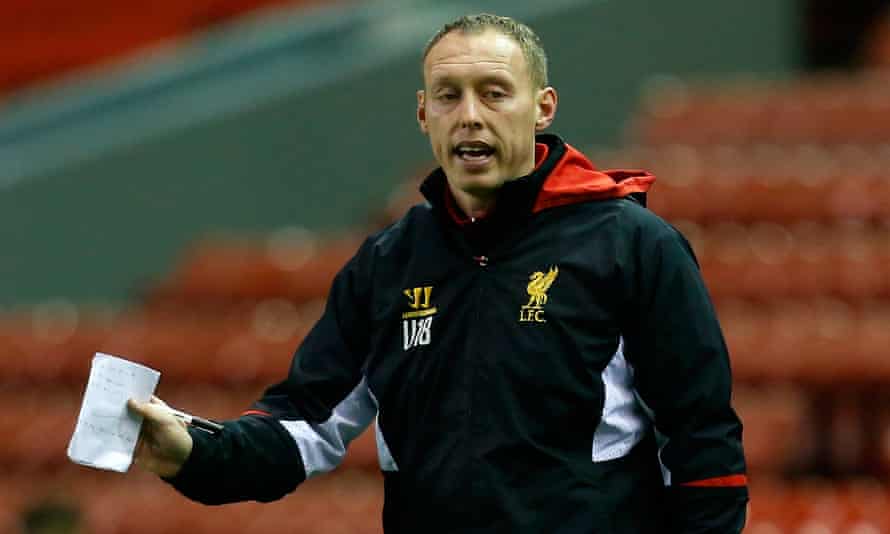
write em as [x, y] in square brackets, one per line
[479, 203]
[474, 206]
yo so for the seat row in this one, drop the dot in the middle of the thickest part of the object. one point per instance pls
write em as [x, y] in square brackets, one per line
[351, 501]
[41, 39]
[818, 340]
[819, 109]
[806, 258]
[781, 434]
[766, 183]
[740, 193]
[36, 433]
[347, 502]
[255, 347]
[290, 264]
[764, 162]
[857, 506]
[784, 202]
[814, 341]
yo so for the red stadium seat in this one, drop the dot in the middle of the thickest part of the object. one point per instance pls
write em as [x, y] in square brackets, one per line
[291, 265]
[43, 39]
[821, 110]
[775, 421]
[767, 182]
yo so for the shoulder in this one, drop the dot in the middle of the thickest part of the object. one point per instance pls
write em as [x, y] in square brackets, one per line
[623, 216]
[655, 242]
[633, 230]
[381, 250]
[645, 227]
[640, 218]
[401, 234]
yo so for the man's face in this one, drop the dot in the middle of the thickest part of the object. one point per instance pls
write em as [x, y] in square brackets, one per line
[481, 110]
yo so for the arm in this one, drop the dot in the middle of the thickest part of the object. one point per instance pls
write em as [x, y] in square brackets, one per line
[681, 366]
[299, 428]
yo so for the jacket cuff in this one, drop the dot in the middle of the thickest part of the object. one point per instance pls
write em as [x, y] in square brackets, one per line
[191, 477]
[707, 509]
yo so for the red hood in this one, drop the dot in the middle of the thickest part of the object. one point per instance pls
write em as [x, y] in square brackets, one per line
[575, 179]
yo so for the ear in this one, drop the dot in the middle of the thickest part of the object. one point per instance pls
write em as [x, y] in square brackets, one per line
[421, 111]
[546, 104]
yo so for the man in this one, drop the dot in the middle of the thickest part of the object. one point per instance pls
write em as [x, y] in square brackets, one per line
[538, 349]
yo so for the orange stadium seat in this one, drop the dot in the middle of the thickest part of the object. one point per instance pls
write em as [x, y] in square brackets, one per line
[824, 110]
[351, 502]
[768, 183]
[41, 39]
[818, 341]
[858, 506]
[138, 503]
[243, 345]
[290, 265]
[36, 434]
[808, 259]
[775, 420]
[777, 183]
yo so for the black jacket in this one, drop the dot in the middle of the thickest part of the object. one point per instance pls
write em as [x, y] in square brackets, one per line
[554, 367]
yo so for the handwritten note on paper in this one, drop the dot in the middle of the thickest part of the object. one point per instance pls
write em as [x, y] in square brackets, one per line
[106, 432]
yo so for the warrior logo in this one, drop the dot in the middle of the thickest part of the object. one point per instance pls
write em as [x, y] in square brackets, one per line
[533, 312]
[416, 323]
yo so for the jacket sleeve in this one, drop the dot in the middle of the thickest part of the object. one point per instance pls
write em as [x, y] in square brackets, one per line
[682, 374]
[302, 425]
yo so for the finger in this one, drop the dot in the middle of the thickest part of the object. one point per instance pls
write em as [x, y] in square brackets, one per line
[157, 400]
[136, 406]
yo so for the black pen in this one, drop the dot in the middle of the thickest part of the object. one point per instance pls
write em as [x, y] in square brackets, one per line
[198, 422]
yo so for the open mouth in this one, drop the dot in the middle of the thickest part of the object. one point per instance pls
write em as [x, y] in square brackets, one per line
[473, 151]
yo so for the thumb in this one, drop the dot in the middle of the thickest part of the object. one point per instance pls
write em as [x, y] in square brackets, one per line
[154, 410]
[138, 408]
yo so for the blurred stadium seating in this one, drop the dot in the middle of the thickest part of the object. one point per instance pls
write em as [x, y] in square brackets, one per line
[783, 189]
[44, 39]
[826, 109]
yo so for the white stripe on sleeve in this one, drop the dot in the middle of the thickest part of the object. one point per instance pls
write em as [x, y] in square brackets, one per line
[323, 445]
[624, 422]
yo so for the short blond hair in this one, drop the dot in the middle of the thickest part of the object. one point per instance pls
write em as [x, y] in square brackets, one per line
[525, 37]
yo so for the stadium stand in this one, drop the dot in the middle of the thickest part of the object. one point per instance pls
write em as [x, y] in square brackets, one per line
[43, 39]
[820, 183]
[827, 109]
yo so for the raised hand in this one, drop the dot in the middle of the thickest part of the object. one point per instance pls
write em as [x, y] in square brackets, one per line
[164, 443]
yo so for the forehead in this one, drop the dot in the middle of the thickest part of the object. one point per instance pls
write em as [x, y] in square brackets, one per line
[466, 53]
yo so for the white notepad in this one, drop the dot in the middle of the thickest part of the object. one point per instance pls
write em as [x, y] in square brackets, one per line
[106, 432]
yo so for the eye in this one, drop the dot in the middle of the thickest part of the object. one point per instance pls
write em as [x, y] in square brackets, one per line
[447, 96]
[495, 94]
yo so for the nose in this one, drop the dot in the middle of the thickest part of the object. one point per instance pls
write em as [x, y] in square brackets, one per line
[469, 113]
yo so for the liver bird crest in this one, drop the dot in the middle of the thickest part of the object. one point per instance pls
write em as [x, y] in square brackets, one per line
[537, 288]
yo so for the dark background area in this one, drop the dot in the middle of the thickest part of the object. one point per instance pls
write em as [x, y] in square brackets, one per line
[836, 32]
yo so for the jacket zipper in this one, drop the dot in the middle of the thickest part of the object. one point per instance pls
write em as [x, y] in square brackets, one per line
[475, 360]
